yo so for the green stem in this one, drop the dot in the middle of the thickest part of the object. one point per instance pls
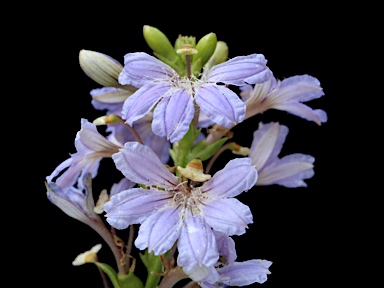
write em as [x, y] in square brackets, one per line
[152, 278]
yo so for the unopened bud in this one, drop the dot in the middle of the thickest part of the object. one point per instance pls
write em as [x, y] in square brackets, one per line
[194, 171]
[162, 48]
[101, 68]
[238, 150]
[219, 56]
[108, 119]
[205, 48]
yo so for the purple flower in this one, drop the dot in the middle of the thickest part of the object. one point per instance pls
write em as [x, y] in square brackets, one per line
[286, 95]
[74, 202]
[91, 147]
[170, 210]
[229, 272]
[288, 171]
[174, 98]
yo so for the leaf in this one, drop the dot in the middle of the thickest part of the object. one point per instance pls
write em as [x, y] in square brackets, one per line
[110, 272]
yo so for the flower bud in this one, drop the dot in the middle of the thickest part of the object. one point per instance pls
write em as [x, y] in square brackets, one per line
[194, 171]
[205, 48]
[101, 68]
[162, 48]
[219, 56]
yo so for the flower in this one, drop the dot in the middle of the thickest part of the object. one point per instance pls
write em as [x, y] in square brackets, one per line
[88, 256]
[174, 97]
[74, 202]
[169, 210]
[229, 272]
[286, 95]
[288, 171]
[91, 147]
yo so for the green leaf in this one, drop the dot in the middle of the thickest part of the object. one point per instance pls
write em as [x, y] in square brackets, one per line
[184, 146]
[205, 151]
[153, 264]
[130, 280]
[110, 272]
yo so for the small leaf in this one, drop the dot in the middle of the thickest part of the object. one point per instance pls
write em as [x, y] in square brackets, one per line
[208, 151]
[110, 272]
[130, 280]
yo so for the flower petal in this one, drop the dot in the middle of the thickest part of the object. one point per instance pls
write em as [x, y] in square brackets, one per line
[197, 246]
[288, 171]
[142, 101]
[318, 116]
[159, 231]
[245, 273]
[237, 176]
[241, 70]
[141, 68]
[220, 104]
[173, 115]
[229, 216]
[267, 142]
[134, 206]
[140, 164]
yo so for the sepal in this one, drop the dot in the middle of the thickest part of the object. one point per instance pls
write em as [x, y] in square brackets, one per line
[219, 56]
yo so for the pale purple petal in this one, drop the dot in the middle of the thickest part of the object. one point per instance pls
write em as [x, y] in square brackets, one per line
[318, 116]
[141, 68]
[123, 184]
[241, 70]
[159, 231]
[110, 95]
[300, 88]
[245, 273]
[142, 101]
[237, 176]
[288, 171]
[220, 104]
[140, 164]
[226, 247]
[173, 115]
[229, 216]
[267, 142]
[134, 206]
[94, 141]
[196, 245]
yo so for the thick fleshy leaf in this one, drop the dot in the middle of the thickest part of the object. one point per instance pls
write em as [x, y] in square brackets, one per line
[241, 70]
[237, 176]
[245, 273]
[197, 246]
[229, 216]
[173, 115]
[159, 231]
[288, 171]
[142, 101]
[140, 164]
[134, 206]
[141, 68]
[220, 104]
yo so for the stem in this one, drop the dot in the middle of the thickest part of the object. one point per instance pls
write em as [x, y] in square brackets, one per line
[137, 136]
[172, 277]
[152, 278]
[108, 238]
[214, 157]
[103, 277]
[129, 245]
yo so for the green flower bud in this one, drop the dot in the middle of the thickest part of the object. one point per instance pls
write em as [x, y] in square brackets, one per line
[101, 68]
[162, 48]
[220, 55]
[205, 48]
[185, 40]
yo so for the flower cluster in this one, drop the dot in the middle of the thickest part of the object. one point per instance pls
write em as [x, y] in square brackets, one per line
[167, 116]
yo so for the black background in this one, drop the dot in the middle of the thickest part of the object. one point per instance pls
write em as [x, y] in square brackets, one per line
[297, 229]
